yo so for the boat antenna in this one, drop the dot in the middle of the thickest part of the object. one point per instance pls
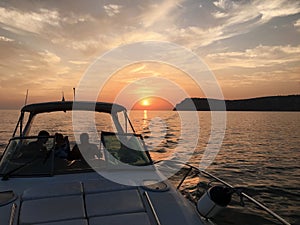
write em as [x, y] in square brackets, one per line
[73, 94]
[63, 97]
[26, 97]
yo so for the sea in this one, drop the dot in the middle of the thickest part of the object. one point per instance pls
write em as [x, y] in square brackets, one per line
[259, 152]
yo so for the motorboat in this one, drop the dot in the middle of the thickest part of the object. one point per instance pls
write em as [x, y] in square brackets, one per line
[118, 183]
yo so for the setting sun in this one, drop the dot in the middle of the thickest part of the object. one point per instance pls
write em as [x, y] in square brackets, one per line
[145, 102]
[153, 103]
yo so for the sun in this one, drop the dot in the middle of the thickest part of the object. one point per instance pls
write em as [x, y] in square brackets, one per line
[145, 102]
[152, 103]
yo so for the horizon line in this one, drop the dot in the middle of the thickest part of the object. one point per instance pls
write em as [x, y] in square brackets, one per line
[163, 108]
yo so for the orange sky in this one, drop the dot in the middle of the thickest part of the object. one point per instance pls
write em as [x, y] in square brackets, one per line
[251, 47]
[161, 84]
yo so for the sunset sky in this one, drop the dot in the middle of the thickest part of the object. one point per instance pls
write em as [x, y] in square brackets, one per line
[252, 47]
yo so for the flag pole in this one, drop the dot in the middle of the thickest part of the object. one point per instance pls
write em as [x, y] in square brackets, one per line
[73, 94]
[26, 97]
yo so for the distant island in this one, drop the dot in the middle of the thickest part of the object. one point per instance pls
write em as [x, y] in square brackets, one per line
[271, 103]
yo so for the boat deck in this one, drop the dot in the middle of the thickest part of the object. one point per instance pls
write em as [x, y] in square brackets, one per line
[100, 201]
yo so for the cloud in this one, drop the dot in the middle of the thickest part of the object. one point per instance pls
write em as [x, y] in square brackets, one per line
[260, 56]
[49, 57]
[75, 19]
[77, 62]
[276, 8]
[2, 38]
[235, 18]
[219, 15]
[28, 21]
[225, 4]
[241, 12]
[297, 25]
[159, 13]
[24, 69]
[87, 45]
[169, 20]
[112, 9]
[194, 37]
[44, 25]
[220, 21]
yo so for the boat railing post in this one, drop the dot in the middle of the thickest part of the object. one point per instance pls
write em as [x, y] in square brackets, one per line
[183, 179]
[12, 214]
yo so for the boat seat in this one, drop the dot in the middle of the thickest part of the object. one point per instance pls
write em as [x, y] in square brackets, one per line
[52, 209]
[125, 201]
[55, 190]
[98, 201]
[98, 186]
[130, 219]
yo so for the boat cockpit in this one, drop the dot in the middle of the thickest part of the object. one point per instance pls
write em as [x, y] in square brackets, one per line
[21, 158]
[38, 155]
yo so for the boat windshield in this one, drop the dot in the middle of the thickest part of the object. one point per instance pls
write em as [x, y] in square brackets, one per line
[75, 144]
[27, 156]
[125, 148]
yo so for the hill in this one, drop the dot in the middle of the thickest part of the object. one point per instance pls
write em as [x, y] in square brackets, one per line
[271, 103]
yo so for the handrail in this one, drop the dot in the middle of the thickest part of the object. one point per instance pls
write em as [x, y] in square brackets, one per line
[12, 214]
[240, 193]
[152, 208]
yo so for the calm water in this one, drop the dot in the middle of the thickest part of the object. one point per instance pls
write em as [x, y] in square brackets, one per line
[260, 150]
